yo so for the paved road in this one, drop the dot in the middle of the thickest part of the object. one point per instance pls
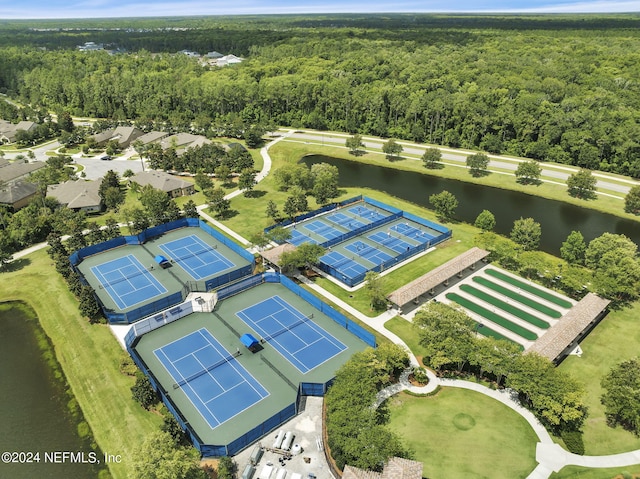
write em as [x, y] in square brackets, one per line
[461, 157]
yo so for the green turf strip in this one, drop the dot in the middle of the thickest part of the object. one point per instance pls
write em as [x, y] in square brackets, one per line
[531, 289]
[529, 318]
[493, 317]
[486, 331]
[518, 297]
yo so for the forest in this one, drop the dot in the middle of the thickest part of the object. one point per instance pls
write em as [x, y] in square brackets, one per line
[553, 88]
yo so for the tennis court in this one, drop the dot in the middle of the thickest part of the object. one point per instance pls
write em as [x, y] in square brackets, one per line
[293, 334]
[410, 231]
[347, 266]
[366, 212]
[199, 259]
[369, 253]
[217, 385]
[392, 242]
[127, 281]
[323, 229]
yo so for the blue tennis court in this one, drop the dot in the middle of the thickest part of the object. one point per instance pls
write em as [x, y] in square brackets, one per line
[345, 221]
[391, 242]
[127, 282]
[298, 238]
[196, 257]
[367, 213]
[346, 266]
[214, 381]
[326, 231]
[301, 341]
[368, 252]
[412, 232]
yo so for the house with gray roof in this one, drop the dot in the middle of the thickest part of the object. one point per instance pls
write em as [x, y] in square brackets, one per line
[162, 181]
[8, 130]
[18, 171]
[18, 195]
[124, 135]
[78, 195]
[152, 137]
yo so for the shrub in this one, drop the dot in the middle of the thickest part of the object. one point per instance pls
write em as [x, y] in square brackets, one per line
[573, 441]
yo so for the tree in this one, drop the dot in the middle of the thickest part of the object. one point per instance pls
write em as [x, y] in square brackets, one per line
[486, 221]
[374, 286]
[88, 304]
[113, 197]
[203, 181]
[304, 257]
[526, 232]
[128, 173]
[325, 182]
[354, 143]
[477, 164]
[158, 457]
[112, 229]
[253, 136]
[226, 468]
[156, 203]
[142, 391]
[217, 201]
[111, 179]
[190, 209]
[392, 149]
[431, 158]
[444, 204]
[528, 173]
[290, 207]
[223, 173]
[279, 234]
[259, 239]
[632, 201]
[5, 256]
[247, 180]
[582, 184]
[574, 248]
[272, 210]
[95, 234]
[65, 122]
[621, 397]
[446, 333]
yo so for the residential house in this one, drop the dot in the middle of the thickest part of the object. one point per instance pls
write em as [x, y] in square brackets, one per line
[162, 181]
[152, 137]
[125, 135]
[18, 195]
[18, 170]
[8, 130]
[78, 195]
[182, 141]
[228, 60]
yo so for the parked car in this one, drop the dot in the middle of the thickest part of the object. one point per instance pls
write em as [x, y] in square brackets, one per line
[106, 158]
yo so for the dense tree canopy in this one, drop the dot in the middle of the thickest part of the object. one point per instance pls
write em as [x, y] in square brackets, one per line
[443, 80]
[621, 397]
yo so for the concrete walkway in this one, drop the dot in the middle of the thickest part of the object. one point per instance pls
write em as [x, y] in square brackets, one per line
[551, 457]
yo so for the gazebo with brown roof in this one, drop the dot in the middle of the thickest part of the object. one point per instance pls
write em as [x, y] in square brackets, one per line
[395, 468]
[273, 255]
[565, 335]
[440, 275]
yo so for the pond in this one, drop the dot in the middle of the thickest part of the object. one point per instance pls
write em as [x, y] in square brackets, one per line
[40, 419]
[556, 218]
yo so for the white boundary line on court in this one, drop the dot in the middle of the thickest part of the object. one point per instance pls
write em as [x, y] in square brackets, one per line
[219, 258]
[242, 374]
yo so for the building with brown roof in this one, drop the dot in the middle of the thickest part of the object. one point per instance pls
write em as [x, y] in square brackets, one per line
[8, 130]
[18, 195]
[162, 181]
[395, 468]
[78, 195]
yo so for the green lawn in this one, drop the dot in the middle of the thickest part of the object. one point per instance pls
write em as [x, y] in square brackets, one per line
[614, 340]
[89, 356]
[460, 433]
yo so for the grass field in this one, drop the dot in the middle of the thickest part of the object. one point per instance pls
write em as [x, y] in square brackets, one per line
[615, 340]
[577, 472]
[461, 433]
[89, 356]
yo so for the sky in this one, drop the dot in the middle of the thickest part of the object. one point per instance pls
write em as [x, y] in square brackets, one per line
[12, 9]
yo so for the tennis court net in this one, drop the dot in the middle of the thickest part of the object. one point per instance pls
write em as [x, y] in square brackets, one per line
[196, 253]
[203, 372]
[120, 280]
[289, 327]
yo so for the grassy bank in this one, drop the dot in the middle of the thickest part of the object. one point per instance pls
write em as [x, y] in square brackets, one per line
[89, 356]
